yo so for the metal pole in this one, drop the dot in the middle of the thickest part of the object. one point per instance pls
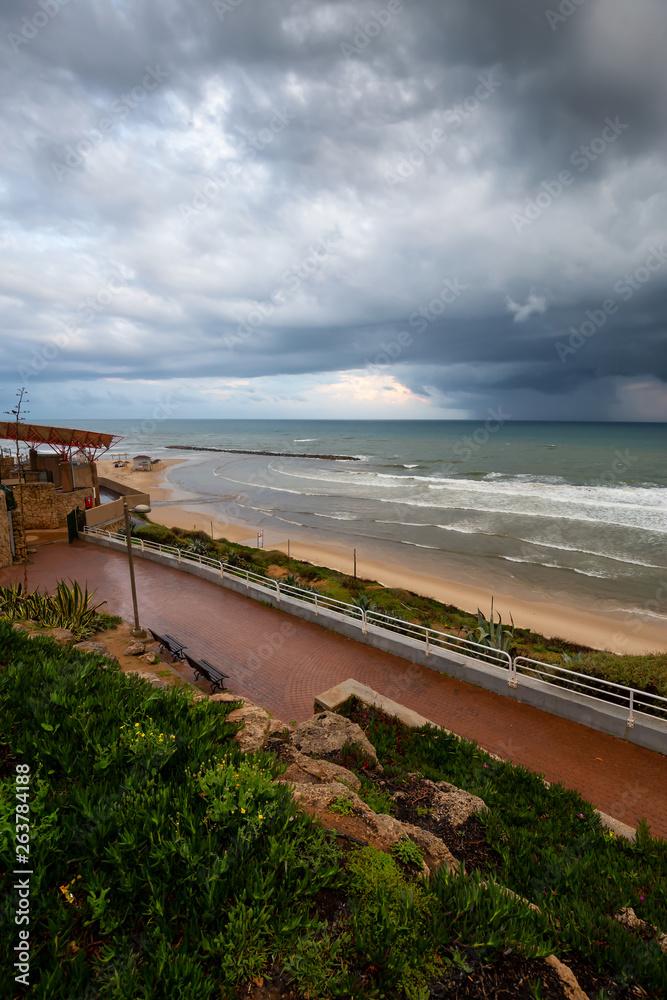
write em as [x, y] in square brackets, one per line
[288, 548]
[137, 631]
[355, 564]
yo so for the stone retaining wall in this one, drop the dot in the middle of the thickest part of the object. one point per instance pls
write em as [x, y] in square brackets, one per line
[5, 547]
[43, 507]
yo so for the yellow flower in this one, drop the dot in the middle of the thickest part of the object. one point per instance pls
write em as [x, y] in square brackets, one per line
[260, 816]
[243, 810]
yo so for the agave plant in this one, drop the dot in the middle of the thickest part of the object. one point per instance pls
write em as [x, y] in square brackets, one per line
[68, 608]
[11, 599]
[489, 634]
[198, 546]
[364, 602]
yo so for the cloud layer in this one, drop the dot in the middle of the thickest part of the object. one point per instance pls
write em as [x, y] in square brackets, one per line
[421, 207]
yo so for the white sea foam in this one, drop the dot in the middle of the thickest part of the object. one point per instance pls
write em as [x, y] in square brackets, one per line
[302, 440]
[339, 515]
[553, 565]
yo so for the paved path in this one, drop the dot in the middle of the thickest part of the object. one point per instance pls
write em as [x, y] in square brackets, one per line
[282, 662]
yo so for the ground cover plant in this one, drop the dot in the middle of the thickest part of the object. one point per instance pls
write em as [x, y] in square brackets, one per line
[646, 672]
[546, 844]
[166, 864]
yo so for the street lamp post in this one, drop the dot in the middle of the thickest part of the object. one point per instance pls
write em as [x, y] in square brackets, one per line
[142, 508]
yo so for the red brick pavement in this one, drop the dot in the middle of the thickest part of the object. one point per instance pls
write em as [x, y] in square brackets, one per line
[282, 662]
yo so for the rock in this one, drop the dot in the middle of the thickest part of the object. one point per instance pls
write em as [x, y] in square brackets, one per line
[226, 696]
[327, 732]
[96, 647]
[571, 987]
[277, 727]
[629, 919]
[62, 636]
[368, 827]
[304, 770]
[150, 658]
[146, 675]
[135, 649]
[453, 804]
[255, 731]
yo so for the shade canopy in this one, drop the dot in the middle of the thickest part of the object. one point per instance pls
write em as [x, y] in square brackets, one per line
[64, 441]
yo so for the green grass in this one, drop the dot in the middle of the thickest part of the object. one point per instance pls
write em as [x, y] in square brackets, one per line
[167, 864]
[647, 672]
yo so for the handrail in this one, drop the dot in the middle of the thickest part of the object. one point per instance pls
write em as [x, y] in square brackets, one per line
[521, 666]
[602, 690]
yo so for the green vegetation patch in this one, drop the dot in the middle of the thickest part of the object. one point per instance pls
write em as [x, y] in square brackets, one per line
[554, 850]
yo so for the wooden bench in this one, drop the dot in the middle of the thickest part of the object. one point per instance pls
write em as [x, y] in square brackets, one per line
[167, 642]
[203, 668]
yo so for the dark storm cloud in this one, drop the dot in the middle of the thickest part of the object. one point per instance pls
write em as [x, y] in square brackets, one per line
[254, 188]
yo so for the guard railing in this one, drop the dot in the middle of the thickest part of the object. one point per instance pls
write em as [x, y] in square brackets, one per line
[585, 686]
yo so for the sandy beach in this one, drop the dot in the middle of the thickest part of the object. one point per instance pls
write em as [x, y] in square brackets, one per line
[601, 631]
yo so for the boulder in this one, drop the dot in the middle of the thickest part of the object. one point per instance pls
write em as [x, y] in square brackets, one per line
[256, 725]
[365, 826]
[327, 732]
[95, 647]
[452, 804]
[305, 770]
[135, 649]
[571, 987]
[62, 636]
[629, 919]
[150, 658]
[226, 696]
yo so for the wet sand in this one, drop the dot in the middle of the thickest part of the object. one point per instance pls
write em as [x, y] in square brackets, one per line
[600, 631]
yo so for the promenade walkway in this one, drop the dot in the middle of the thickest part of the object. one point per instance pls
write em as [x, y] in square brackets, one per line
[281, 663]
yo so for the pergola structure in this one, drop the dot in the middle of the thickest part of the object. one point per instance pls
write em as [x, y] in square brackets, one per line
[64, 441]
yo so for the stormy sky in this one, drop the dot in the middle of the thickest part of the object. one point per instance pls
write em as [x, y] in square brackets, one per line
[410, 209]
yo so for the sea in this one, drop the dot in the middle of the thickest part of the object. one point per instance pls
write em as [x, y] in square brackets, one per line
[567, 512]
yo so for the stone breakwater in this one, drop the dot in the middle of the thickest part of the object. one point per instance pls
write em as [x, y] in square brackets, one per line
[273, 454]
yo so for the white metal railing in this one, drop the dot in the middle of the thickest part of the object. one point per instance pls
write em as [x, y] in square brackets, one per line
[596, 688]
[584, 685]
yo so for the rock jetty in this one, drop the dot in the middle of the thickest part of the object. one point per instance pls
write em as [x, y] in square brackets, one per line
[273, 454]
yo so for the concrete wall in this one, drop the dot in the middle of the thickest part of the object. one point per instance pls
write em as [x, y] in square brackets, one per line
[5, 547]
[122, 489]
[107, 512]
[599, 715]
